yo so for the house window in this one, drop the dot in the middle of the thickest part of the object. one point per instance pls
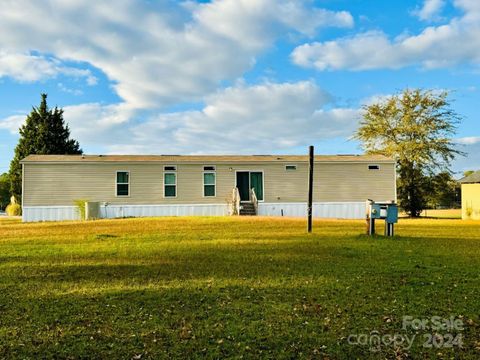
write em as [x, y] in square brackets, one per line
[123, 184]
[209, 181]
[373, 167]
[170, 184]
[290, 167]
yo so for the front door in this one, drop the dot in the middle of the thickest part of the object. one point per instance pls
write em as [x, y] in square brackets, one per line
[243, 185]
[247, 180]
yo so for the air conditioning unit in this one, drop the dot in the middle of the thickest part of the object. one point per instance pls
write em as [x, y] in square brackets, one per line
[92, 210]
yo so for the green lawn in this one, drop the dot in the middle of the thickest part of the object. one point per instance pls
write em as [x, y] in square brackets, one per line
[233, 287]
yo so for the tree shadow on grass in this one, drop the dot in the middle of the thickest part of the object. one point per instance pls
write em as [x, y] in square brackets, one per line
[213, 321]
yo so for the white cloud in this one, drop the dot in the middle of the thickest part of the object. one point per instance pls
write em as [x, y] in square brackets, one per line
[470, 140]
[240, 119]
[430, 10]
[375, 99]
[454, 43]
[98, 125]
[89, 122]
[158, 54]
[12, 123]
[162, 53]
[68, 90]
[30, 68]
[264, 18]
[26, 67]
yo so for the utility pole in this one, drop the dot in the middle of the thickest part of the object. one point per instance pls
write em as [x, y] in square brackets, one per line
[310, 189]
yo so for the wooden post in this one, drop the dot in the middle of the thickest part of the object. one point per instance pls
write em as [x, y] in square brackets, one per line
[310, 189]
[367, 215]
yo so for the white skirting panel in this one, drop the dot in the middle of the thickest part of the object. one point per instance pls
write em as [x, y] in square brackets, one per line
[116, 211]
[335, 210]
[49, 213]
[338, 210]
[58, 213]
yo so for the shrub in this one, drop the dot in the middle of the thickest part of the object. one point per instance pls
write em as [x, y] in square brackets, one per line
[80, 204]
[469, 212]
[13, 209]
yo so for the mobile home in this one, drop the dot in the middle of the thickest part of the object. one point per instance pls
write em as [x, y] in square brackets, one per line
[176, 185]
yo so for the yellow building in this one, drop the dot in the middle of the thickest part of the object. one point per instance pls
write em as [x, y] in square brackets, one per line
[471, 196]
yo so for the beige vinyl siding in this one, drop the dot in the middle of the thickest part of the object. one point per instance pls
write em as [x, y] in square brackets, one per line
[333, 182]
[286, 186]
[60, 184]
[354, 182]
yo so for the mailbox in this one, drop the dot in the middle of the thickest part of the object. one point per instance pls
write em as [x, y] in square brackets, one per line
[387, 211]
[392, 214]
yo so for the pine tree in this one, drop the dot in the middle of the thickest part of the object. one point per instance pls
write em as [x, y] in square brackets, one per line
[4, 191]
[44, 132]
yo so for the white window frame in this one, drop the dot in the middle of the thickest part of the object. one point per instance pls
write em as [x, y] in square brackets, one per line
[117, 183]
[214, 184]
[168, 172]
[287, 165]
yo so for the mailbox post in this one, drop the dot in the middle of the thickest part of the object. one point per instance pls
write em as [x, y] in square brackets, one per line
[387, 211]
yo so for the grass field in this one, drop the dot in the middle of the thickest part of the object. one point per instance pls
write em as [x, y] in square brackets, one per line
[233, 287]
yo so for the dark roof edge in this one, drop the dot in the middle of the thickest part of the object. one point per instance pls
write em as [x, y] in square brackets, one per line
[471, 179]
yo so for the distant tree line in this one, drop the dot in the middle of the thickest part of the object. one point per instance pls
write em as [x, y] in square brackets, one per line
[442, 191]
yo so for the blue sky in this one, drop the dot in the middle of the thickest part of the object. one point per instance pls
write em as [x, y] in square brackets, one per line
[243, 76]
